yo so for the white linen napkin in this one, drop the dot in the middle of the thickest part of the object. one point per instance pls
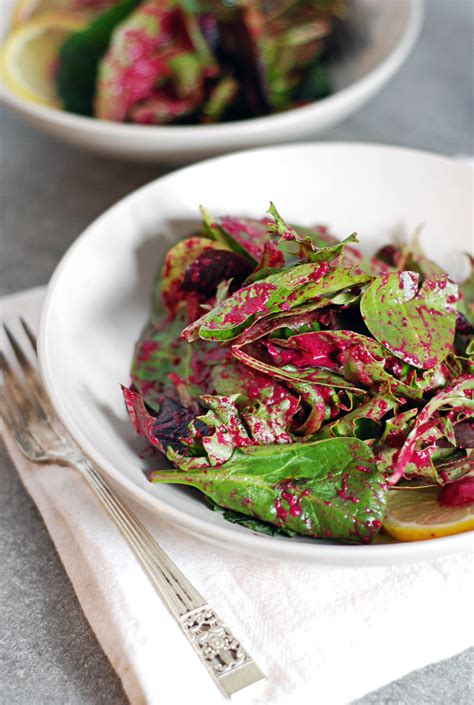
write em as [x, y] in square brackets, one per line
[321, 635]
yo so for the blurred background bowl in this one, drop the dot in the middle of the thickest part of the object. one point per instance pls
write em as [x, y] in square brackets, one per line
[390, 29]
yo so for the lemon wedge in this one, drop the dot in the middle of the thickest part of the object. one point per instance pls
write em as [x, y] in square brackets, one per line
[30, 54]
[416, 515]
[24, 10]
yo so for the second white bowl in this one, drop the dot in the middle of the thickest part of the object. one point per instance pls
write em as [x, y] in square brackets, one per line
[392, 27]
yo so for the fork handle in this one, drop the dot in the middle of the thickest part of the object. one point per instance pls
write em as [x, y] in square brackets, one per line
[227, 661]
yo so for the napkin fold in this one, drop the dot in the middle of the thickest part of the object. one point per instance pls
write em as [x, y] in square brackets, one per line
[322, 635]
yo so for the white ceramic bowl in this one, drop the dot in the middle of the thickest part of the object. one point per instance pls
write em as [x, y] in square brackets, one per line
[98, 299]
[393, 27]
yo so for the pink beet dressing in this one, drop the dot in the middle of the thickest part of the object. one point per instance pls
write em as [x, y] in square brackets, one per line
[343, 492]
[292, 501]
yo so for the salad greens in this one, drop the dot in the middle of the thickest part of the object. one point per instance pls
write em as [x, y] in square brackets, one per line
[295, 382]
[80, 56]
[198, 61]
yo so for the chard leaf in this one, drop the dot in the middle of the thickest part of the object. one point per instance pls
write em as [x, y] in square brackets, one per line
[440, 376]
[328, 488]
[289, 51]
[268, 424]
[453, 466]
[363, 422]
[164, 364]
[226, 427]
[317, 375]
[398, 427]
[253, 389]
[359, 359]
[277, 293]
[313, 398]
[292, 321]
[129, 70]
[417, 326]
[440, 453]
[186, 75]
[319, 234]
[394, 435]
[353, 257]
[427, 428]
[298, 247]
[154, 359]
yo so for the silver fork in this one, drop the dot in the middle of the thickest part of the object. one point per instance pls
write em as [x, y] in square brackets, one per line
[41, 437]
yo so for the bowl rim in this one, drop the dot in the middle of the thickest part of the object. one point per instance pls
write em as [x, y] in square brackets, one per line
[250, 127]
[330, 554]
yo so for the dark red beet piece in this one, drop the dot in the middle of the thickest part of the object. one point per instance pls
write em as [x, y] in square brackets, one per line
[458, 494]
[464, 434]
[390, 254]
[213, 267]
[239, 46]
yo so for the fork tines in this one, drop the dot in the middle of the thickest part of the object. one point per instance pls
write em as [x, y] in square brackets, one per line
[16, 391]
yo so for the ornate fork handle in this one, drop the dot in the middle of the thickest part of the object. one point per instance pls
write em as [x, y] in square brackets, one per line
[222, 654]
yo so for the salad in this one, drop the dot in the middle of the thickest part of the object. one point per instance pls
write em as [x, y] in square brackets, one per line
[175, 61]
[304, 388]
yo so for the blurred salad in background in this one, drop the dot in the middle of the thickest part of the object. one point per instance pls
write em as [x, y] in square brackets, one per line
[174, 61]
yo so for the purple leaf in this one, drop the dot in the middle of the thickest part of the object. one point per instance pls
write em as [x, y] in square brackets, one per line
[167, 428]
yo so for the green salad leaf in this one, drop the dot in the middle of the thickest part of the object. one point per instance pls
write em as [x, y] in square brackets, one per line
[299, 247]
[329, 488]
[416, 325]
[275, 294]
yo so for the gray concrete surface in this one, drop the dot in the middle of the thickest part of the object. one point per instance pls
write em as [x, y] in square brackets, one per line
[48, 194]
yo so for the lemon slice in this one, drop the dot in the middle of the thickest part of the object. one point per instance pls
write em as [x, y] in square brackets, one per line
[30, 53]
[416, 515]
[24, 10]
